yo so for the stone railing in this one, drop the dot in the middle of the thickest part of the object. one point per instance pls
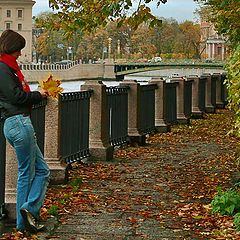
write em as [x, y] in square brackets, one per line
[173, 101]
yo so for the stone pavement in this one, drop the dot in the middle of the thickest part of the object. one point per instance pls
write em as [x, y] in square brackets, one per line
[138, 197]
[145, 192]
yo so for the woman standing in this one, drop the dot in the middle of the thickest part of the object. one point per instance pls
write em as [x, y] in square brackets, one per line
[16, 99]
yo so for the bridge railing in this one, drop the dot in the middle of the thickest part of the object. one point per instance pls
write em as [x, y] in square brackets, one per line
[74, 126]
[117, 99]
[49, 66]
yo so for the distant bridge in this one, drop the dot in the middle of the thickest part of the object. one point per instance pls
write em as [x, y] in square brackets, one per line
[130, 68]
[79, 71]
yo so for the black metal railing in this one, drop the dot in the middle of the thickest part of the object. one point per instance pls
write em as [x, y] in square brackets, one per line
[202, 93]
[214, 79]
[2, 167]
[74, 126]
[188, 98]
[170, 102]
[224, 91]
[147, 108]
[38, 121]
[117, 100]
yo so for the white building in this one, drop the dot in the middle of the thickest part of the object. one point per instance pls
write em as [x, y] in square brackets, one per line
[17, 15]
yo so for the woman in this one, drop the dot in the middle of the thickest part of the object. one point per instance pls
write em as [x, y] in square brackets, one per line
[16, 99]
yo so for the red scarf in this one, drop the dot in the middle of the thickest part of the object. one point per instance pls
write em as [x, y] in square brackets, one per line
[12, 63]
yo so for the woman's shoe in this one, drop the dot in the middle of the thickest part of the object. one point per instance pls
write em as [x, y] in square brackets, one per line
[30, 222]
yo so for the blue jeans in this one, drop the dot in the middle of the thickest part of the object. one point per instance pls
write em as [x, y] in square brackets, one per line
[33, 171]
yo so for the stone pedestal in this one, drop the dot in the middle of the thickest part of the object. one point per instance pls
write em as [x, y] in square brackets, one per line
[11, 182]
[134, 112]
[58, 173]
[108, 71]
[209, 108]
[196, 112]
[100, 148]
[181, 118]
[160, 124]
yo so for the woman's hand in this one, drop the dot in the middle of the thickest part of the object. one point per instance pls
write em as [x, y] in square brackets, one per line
[43, 92]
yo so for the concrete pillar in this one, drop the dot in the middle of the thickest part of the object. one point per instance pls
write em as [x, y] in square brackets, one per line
[134, 109]
[100, 148]
[108, 70]
[181, 118]
[196, 112]
[11, 182]
[58, 173]
[160, 124]
[209, 108]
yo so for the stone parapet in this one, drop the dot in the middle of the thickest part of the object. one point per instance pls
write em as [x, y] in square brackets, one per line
[51, 143]
[71, 73]
[160, 123]
[99, 146]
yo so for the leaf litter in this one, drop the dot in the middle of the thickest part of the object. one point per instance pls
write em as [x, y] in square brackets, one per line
[171, 180]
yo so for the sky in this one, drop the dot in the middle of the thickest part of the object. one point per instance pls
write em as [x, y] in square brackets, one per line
[180, 10]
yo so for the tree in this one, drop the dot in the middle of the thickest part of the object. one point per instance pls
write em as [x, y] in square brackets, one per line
[141, 44]
[51, 43]
[88, 15]
[191, 39]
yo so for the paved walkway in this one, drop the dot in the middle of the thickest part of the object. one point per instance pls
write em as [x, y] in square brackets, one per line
[159, 191]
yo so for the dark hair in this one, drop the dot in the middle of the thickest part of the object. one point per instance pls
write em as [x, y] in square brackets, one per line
[11, 41]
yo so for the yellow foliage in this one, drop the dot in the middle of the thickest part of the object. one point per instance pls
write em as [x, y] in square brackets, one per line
[52, 86]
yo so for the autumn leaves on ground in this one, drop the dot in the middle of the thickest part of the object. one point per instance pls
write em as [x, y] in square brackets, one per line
[171, 181]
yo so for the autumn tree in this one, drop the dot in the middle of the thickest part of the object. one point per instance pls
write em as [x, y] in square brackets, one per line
[88, 15]
[141, 44]
[166, 37]
[52, 44]
[190, 39]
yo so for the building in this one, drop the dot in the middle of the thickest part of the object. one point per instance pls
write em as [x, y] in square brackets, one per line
[214, 46]
[17, 15]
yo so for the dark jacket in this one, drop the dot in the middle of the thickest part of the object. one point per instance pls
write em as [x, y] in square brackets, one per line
[13, 100]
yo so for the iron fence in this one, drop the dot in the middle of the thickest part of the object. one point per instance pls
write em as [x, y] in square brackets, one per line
[202, 93]
[38, 121]
[2, 166]
[117, 100]
[147, 108]
[188, 98]
[224, 91]
[170, 102]
[74, 126]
